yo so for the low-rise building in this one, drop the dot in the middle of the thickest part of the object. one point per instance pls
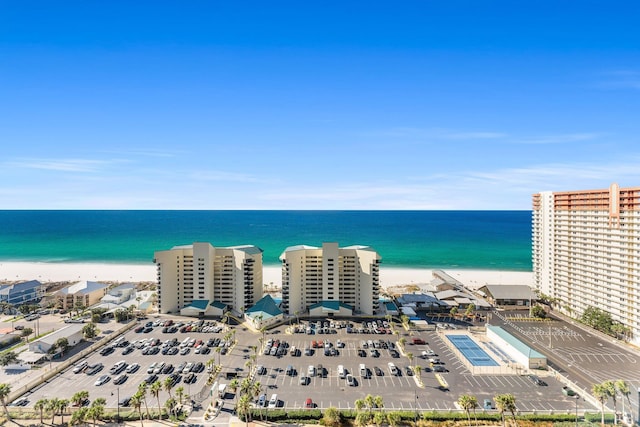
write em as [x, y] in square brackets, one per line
[264, 313]
[508, 296]
[83, 294]
[21, 293]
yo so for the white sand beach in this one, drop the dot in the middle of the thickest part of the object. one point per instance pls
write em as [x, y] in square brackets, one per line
[389, 276]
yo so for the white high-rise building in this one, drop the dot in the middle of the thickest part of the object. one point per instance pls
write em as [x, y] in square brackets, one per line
[586, 252]
[231, 276]
[312, 275]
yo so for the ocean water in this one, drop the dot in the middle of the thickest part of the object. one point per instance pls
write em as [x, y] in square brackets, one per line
[420, 239]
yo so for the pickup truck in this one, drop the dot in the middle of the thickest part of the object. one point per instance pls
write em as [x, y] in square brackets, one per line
[568, 392]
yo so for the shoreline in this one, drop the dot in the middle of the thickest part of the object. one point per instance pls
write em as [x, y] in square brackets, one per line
[13, 271]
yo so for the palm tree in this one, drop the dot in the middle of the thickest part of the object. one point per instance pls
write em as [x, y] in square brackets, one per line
[331, 417]
[52, 405]
[180, 394]
[234, 384]
[610, 387]
[142, 389]
[467, 403]
[62, 406]
[168, 385]
[623, 388]
[506, 402]
[136, 402]
[402, 341]
[378, 402]
[5, 389]
[369, 400]
[410, 357]
[359, 404]
[243, 407]
[79, 397]
[96, 411]
[41, 405]
[79, 416]
[155, 392]
[417, 369]
[599, 391]
[170, 405]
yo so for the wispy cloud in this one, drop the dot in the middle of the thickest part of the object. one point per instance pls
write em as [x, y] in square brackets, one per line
[621, 79]
[436, 133]
[60, 165]
[224, 176]
[558, 139]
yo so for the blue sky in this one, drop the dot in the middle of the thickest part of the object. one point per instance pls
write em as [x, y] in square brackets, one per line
[315, 105]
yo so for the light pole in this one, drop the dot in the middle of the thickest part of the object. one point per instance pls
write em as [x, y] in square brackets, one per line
[118, 397]
[577, 397]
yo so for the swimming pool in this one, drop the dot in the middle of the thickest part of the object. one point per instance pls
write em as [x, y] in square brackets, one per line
[471, 350]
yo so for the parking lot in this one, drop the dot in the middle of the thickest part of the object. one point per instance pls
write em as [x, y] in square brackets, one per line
[346, 347]
[144, 348]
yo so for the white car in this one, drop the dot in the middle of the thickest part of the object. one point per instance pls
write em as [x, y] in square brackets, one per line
[103, 379]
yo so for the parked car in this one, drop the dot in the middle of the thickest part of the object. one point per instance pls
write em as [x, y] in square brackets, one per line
[103, 379]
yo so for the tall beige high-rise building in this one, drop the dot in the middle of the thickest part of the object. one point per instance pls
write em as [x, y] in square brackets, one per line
[312, 275]
[200, 272]
[586, 252]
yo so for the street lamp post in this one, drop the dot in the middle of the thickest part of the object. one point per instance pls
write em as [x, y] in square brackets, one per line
[577, 397]
[118, 416]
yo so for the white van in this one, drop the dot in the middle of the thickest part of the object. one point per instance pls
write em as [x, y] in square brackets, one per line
[364, 372]
[273, 402]
[342, 373]
[311, 371]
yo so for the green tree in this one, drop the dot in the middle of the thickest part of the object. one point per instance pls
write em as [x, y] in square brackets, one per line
[96, 410]
[331, 417]
[610, 388]
[63, 344]
[142, 389]
[454, 311]
[155, 392]
[243, 408]
[5, 390]
[379, 418]
[79, 397]
[170, 405]
[362, 419]
[180, 394]
[62, 405]
[538, 312]
[601, 394]
[168, 385]
[79, 416]
[96, 318]
[468, 403]
[90, 331]
[26, 332]
[136, 402]
[622, 387]
[470, 309]
[394, 418]
[505, 402]
[8, 358]
[41, 405]
[52, 406]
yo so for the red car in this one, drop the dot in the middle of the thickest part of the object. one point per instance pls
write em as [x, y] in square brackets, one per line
[308, 403]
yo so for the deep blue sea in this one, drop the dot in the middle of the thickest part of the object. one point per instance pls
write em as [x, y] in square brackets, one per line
[421, 239]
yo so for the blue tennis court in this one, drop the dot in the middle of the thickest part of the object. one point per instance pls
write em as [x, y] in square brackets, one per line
[471, 350]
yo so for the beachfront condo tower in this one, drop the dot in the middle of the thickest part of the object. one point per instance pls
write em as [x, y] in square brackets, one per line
[330, 280]
[586, 253]
[203, 280]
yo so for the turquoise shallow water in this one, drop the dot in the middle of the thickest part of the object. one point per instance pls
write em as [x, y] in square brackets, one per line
[419, 239]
